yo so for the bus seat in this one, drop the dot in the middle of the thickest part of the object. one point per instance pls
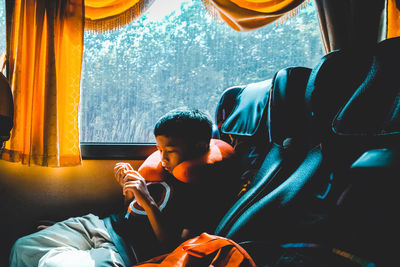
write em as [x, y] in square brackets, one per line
[380, 92]
[366, 219]
[365, 222]
[286, 138]
[226, 104]
[6, 109]
[360, 137]
[297, 208]
[241, 121]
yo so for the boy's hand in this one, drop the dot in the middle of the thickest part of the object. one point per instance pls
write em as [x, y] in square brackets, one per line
[120, 170]
[135, 184]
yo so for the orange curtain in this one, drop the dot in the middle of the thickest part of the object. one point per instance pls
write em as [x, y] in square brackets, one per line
[45, 55]
[246, 15]
[106, 15]
[44, 51]
[393, 18]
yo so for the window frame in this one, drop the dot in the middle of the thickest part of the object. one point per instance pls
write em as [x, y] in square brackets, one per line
[91, 143]
[114, 151]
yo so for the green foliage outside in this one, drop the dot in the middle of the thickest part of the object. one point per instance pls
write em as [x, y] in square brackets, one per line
[131, 76]
[2, 26]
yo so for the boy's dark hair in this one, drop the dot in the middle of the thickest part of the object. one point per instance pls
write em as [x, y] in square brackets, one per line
[191, 125]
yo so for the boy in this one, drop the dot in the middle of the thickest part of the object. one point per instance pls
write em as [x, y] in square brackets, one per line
[193, 167]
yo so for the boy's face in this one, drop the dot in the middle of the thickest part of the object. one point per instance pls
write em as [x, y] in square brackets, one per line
[173, 151]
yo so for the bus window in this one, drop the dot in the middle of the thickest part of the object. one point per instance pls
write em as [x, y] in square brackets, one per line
[2, 26]
[178, 55]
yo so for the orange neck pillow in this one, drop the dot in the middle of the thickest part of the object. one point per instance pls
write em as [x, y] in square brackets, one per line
[187, 171]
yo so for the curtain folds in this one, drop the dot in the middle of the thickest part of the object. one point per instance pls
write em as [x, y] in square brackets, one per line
[107, 15]
[246, 15]
[345, 24]
[393, 18]
[44, 62]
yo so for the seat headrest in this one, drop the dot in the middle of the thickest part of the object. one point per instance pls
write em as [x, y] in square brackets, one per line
[6, 109]
[226, 105]
[374, 109]
[286, 108]
[331, 84]
[250, 103]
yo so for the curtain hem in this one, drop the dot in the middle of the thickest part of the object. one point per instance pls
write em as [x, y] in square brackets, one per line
[41, 160]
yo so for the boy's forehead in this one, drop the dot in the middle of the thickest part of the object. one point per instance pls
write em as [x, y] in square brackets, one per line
[172, 144]
[169, 141]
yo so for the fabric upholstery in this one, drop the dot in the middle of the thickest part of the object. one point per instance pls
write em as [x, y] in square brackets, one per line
[365, 221]
[246, 117]
[250, 137]
[380, 92]
[286, 117]
[296, 208]
[332, 82]
[286, 101]
[225, 106]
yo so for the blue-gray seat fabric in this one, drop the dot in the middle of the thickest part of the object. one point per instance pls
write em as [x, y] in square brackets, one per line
[343, 194]
[286, 142]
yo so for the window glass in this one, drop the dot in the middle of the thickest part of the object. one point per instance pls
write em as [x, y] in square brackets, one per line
[2, 26]
[178, 55]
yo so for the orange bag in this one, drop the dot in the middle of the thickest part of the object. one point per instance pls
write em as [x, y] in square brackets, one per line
[203, 250]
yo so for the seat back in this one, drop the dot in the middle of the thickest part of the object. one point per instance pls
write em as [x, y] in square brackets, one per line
[365, 220]
[359, 131]
[286, 140]
[241, 120]
[297, 208]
